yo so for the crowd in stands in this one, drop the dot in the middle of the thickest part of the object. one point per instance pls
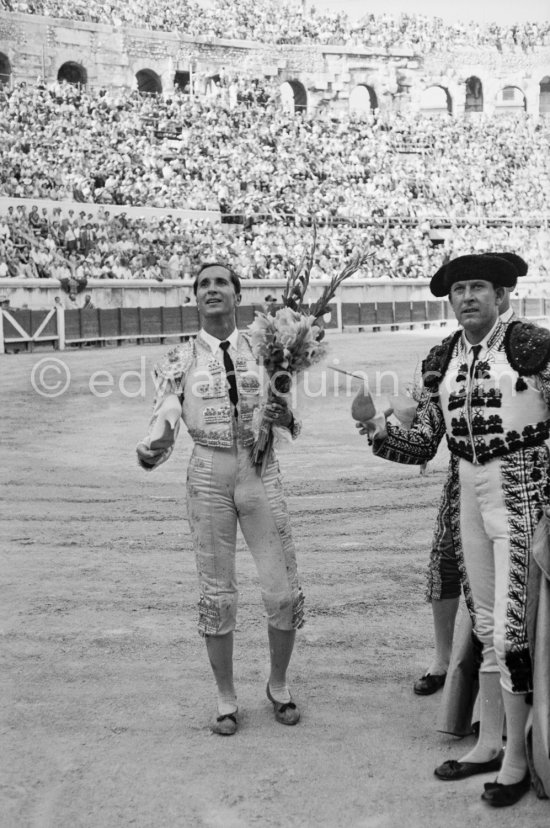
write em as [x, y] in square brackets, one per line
[37, 242]
[383, 183]
[272, 21]
[247, 156]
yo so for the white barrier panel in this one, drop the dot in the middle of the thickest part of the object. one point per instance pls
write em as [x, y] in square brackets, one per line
[57, 328]
[40, 294]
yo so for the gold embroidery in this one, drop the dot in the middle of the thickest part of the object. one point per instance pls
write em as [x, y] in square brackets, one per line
[217, 415]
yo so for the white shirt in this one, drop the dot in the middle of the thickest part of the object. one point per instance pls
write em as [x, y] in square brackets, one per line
[214, 343]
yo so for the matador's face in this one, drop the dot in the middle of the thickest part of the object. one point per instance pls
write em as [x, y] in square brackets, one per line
[476, 305]
[216, 296]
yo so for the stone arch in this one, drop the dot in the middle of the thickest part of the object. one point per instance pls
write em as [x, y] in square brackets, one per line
[362, 99]
[182, 81]
[510, 99]
[73, 72]
[436, 100]
[5, 70]
[544, 97]
[294, 96]
[148, 82]
[474, 95]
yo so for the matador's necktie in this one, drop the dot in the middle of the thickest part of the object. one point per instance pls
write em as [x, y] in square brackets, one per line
[230, 372]
[475, 351]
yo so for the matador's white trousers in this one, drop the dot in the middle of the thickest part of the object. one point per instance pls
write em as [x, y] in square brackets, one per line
[497, 519]
[223, 490]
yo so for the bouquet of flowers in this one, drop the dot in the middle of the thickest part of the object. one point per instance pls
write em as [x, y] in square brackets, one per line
[291, 340]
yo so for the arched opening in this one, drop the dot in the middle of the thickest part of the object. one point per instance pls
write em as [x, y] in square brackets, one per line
[474, 95]
[148, 82]
[212, 85]
[544, 98]
[5, 70]
[294, 96]
[73, 72]
[510, 99]
[182, 81]
[435, 100]
[362, 100]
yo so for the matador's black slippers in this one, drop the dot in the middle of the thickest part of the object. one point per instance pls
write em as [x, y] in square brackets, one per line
[285, 712]
[452, 770]
[225, 725]
[500, 796]
[428, 684]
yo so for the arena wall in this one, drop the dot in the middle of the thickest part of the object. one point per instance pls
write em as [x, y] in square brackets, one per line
[41, 294]
[26, 329]
[397, 78]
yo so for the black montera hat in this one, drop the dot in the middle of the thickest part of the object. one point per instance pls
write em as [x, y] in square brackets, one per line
[489, 267]
[520, 264]
[437, 281]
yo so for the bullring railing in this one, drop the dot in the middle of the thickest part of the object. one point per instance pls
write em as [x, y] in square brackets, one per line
[24, 329]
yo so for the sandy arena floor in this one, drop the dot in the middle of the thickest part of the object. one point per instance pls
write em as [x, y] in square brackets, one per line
[105, 689]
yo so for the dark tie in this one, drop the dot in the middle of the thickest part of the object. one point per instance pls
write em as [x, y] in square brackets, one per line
[475, 351]
[230, 372]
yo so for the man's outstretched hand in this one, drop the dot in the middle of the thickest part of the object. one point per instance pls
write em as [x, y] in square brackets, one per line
[375, 428]
[148, 456]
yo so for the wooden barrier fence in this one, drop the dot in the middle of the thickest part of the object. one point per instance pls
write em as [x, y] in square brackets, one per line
[24, 329]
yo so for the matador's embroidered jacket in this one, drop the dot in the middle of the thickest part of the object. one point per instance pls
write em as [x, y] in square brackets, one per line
[504, 407]
[198, 378]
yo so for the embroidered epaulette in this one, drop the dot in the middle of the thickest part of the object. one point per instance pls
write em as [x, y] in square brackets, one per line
[527, 347]
[176, 362]
[436, 363]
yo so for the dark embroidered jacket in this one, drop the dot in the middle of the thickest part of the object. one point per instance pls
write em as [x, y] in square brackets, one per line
[494, 413]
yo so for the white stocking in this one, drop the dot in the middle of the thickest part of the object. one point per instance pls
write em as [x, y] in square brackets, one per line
[514, 766]
[491, 719]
